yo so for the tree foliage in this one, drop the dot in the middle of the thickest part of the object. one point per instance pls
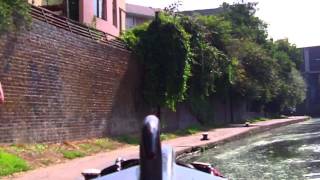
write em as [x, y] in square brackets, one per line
[261, 77]
[267, 74]
[13, 14]
[294, 54]
[245, 25]
[200, 58]
[208, 66]
[165, 52]
[208, 63]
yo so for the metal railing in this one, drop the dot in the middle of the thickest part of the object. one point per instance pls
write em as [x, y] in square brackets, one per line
[75, 27]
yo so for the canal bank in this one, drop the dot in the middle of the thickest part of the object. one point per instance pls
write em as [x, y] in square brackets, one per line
[72, 169]
[233, 132]
[288, 153]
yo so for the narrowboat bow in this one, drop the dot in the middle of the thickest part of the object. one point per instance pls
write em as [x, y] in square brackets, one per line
[155, 163]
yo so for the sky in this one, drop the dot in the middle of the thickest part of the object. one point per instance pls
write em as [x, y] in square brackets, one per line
[297, 20]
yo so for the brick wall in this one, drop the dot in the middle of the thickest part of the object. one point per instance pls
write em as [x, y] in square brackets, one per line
[60, 86]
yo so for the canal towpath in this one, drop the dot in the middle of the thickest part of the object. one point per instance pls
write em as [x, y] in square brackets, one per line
[71, 170]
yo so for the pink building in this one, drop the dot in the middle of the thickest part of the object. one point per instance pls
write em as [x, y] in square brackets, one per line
[105, 15]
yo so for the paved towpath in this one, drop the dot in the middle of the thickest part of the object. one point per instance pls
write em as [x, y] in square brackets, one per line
[72, 169]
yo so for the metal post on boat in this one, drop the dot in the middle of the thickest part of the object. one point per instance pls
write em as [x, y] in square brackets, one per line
[150, 150]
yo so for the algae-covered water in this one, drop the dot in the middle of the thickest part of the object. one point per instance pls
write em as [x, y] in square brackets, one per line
[286, 153]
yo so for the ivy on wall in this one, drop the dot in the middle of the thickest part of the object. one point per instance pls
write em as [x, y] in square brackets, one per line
[199, 58]
[166, 55]
[13, 15]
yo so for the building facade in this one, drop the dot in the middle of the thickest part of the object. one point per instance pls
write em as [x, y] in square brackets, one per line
[311, 73]
[203, 12]
[136, 15]
[105, 15]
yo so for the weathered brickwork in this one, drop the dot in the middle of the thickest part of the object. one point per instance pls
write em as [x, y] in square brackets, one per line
[61, 86]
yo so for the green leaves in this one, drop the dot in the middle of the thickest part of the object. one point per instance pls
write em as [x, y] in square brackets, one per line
[198, 58]
[244, 24]
[13, 14]
[164, 49]
[292, 88]
[267, 72]
[10, 164]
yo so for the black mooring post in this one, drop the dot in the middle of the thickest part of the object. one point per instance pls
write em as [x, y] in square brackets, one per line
[150, 150]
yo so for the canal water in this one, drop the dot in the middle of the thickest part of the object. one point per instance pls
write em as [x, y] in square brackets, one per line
[286, 153]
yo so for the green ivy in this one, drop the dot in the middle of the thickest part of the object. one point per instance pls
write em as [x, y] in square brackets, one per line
[164, 50]
[13, 14]
[200, 58]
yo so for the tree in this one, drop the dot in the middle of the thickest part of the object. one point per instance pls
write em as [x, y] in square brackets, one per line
[267, 71]
[208, 65]
[217, 31]
[200, 58]
[292, 88]
[291, 50]
[165, 53]
[245, 25]
[13, 14]
[259, 80]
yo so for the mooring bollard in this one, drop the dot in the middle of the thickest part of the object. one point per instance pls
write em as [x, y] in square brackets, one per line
[205, 136]
[90, 173]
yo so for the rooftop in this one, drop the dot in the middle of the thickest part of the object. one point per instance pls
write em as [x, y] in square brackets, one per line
[204, 12]
[137, 10]
[143, 11]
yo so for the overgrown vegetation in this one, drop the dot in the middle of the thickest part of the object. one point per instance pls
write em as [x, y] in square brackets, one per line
[197, 59]
[257, 119]
[22, 157]
[165, 54]
[129, 139]
[183, 132]
[13, 14]
[10, 163]
[72, 154]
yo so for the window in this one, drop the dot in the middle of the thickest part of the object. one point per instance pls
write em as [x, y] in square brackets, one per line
[114, 13]
[99, 9]
[130, 22]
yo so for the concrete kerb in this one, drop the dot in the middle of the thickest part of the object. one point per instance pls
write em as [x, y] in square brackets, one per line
[249, 132]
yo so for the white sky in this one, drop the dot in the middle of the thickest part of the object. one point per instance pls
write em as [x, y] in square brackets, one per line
[297, 20]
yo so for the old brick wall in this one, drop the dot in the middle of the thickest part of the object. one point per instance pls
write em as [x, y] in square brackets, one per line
[61, 86]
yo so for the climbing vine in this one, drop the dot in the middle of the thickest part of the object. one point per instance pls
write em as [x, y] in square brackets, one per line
[13, 14]
[227, 56]
[165, 53]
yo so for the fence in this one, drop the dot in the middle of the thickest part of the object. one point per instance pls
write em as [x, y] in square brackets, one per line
[76, 27]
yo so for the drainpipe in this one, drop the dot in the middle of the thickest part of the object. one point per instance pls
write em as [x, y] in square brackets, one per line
[67, 8]
[120, 21]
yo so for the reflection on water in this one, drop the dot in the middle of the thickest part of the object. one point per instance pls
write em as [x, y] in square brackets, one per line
[291, 152]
